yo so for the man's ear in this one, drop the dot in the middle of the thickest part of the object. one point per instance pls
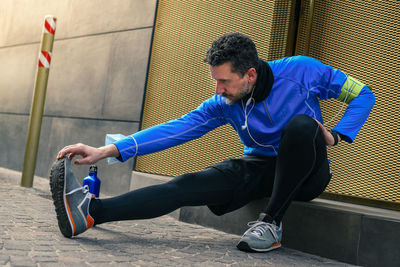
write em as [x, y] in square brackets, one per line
[252, 73]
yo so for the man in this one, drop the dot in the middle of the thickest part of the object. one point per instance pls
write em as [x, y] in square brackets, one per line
[274, 108]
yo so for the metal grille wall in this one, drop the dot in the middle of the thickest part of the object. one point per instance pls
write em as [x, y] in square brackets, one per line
[362, 38]
[178, 80]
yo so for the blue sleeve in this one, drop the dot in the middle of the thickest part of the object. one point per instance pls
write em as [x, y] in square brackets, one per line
[356, 114]
[195, 124]
[333, 83]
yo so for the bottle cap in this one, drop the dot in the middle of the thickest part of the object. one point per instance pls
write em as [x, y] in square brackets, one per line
[93, 168]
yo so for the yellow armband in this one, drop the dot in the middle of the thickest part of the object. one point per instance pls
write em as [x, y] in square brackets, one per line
[350, 89]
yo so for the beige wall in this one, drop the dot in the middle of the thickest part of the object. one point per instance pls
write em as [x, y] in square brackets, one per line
[96, 81]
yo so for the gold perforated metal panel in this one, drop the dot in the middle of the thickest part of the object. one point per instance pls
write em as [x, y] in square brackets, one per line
[362, 38]
[178, 80]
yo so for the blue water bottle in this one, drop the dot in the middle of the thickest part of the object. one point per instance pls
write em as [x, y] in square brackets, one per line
[92, 181]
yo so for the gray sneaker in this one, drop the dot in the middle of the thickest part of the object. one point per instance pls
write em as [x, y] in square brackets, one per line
[70, 199]
[261, 236]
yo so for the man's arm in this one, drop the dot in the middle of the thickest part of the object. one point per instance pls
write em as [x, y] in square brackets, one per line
[357, 112]
[189, 127]
[328, 82]
[175, 132]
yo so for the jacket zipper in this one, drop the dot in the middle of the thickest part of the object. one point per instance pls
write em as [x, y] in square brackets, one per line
[269, 116]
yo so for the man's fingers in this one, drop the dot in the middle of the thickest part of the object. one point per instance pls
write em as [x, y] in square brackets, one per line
[62, 152]
[324, 130]
[320, 125]
[65, 150]
[327, 135]
[73, 150]
[71, 156]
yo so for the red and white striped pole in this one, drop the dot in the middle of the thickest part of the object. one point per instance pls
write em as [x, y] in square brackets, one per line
[38, 99]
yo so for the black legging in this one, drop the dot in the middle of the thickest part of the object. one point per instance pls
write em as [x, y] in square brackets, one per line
[299, 172]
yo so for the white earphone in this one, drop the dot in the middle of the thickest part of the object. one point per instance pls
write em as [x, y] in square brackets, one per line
[244, 126]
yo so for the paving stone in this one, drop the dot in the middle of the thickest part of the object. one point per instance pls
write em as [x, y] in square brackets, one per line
[51, 254]
[17, 245]
[22, 261]
[68, 247]
[125, 264]
[4, 259]
[45, 242]
[44, 248]
[103, 264]
[42, 259]
[51, 264]
[16, 252]
[22, 237]
[70, 260]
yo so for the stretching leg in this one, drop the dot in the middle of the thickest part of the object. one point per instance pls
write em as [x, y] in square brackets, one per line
[302, 169]
[207, 187]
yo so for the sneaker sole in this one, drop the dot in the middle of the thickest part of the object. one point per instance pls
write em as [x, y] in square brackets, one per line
[57, 187]
[245, 247]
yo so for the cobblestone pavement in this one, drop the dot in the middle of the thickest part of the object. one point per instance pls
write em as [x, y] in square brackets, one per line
[29, 236]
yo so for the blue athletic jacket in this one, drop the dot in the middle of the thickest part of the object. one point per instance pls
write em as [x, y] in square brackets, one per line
[299, 83]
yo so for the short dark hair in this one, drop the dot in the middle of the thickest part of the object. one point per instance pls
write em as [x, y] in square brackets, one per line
[236, 48]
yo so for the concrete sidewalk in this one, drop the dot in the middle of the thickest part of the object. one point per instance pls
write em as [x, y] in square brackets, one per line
[29, 236]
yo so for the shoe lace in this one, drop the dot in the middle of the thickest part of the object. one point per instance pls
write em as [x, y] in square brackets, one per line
[84, 189]
[259, 228]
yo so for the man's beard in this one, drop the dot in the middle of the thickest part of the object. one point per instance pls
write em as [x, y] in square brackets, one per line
[240, 96]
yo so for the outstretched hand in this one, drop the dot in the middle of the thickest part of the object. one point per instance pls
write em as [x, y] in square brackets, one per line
[89, 154]
[329, 140]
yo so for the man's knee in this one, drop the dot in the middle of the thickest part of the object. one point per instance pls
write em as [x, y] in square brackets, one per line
[301, 126]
